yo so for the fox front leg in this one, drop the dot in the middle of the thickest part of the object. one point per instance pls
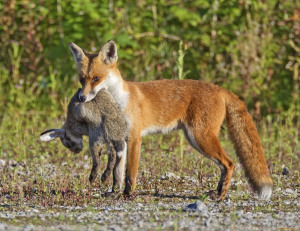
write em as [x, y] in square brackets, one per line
[134, 147]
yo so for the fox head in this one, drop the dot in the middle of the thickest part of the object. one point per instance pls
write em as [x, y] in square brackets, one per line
[96, 71]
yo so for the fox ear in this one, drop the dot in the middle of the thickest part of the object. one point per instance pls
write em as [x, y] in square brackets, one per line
[108, 53]
[77, 52]
[51, 134]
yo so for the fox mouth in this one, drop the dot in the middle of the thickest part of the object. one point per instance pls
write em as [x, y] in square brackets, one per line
[88, 97]
[81, 98]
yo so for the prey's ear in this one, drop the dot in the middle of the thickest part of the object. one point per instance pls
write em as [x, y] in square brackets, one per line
[51, 134]
[108, 53]
[77, 52]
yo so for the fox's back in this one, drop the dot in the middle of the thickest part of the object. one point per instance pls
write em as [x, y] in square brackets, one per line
[165, 102]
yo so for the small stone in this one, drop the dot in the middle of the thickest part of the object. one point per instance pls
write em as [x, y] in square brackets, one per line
[163, 177]
[35, 211]
[96, 195]
[191, 179]
[13, 163]
[160, 204]
[28, 228]
[227, 201]
[287, 202]
[3, 226]
[289, 191]
[168, 224]
[106, 212]
[240, 212]
[285, 171]
[86, 166]
[197, 206]
[2, 162]
[115, 228]
[84, 190]
[171, 175]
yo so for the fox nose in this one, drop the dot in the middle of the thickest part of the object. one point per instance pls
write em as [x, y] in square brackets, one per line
[82, 98]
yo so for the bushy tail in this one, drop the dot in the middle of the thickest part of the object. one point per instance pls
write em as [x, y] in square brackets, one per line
[248, 147]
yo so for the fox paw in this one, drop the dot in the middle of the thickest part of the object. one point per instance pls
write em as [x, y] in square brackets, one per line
[130, 196]
[212, 194]
[113, 195]
[215, 195]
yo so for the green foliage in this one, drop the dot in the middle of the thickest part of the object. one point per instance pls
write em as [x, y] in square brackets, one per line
[249, 47]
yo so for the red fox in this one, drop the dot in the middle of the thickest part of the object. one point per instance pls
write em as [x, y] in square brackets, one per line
[196, 107]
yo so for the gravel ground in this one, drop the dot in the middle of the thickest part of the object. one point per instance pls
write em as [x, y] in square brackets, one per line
[164, 215]
[168, 202]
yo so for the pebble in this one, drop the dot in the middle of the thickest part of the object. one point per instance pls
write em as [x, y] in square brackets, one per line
[12, 163]
[227, 201]
[197, 206]
[191, 179]
[28, 228]
[86, 166]
[3, 226]
[139, 205]
[35, 211]
[285, 171]
[287, 202]
[171, 175]
[96, 195]
[290, 191]
[2, 163]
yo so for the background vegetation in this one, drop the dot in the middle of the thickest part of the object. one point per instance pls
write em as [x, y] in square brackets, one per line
[249, 47]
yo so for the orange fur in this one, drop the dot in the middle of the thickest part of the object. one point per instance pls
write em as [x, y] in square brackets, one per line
[197, 107]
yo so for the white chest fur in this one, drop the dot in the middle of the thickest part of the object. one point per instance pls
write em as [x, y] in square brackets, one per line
[115, 87]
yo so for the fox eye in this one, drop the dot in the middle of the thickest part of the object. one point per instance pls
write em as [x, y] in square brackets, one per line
[96, 79]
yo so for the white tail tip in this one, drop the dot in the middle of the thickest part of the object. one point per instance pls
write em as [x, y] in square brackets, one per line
[265, 193]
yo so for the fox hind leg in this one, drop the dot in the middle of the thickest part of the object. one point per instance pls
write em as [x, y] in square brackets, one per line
[209, 145]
